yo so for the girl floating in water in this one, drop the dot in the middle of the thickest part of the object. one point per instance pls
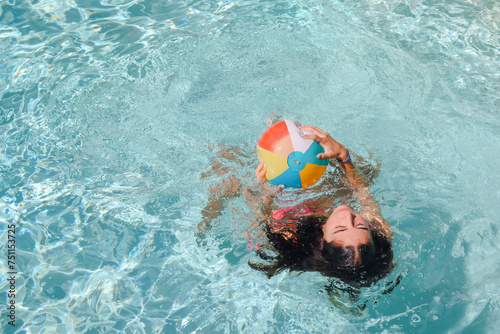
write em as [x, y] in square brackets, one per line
[354, 246]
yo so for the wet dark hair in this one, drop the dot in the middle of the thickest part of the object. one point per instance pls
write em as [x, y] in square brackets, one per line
[307, 251]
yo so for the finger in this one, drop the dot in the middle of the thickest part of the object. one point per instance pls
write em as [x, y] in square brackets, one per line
[258, 169]
[260, 166]
[322, 156]
[263, 171]
[313, 129]
[312, 137]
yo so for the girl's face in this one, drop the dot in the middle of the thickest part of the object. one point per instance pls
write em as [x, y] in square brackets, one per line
[346, 227]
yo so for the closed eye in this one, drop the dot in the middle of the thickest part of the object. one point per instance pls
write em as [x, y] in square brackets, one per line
[361, 226]
[340, 229]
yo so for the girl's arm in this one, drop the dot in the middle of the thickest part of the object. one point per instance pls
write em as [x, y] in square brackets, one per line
[335, 150]
[268, 192]
[232, 187]
[229, 187]
[218, 194]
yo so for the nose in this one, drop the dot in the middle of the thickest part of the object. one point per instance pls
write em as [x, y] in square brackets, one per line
[347, 217]
[350, 219]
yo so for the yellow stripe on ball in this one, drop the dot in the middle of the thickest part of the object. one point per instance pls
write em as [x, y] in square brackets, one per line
[275, 164]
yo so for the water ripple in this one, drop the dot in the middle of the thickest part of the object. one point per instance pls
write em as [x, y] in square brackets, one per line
[452, 29]
[108, 111]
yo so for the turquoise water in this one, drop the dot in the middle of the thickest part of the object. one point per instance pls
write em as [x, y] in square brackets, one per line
[111, 111]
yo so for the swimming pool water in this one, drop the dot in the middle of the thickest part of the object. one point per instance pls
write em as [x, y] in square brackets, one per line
[110, 112]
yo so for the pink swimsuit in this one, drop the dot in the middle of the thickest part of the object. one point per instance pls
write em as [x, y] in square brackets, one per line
[284, 226]
[284, 220]
[295, 212]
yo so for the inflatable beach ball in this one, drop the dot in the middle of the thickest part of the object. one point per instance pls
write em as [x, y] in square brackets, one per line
[290, 159]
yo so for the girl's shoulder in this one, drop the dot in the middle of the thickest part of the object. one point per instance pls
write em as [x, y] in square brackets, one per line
[377, 222]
